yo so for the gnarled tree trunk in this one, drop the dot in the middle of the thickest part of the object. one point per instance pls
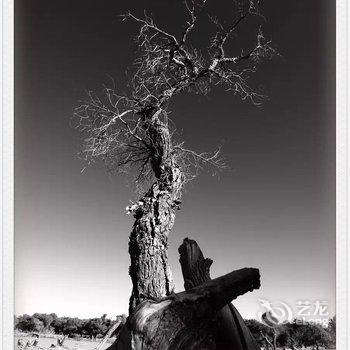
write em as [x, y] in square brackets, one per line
[189, 320]
[154, 218]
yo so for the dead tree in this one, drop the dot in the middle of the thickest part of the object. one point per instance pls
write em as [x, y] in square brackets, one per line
[199, 318]
[273, 323]
[61, 340]
[228, 329]
[133, 133]
[115, 329]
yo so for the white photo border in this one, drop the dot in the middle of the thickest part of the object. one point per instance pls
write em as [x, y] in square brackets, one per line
[342, 173]
[7, 175]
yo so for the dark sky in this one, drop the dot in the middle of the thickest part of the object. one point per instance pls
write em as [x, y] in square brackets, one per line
[275, 208]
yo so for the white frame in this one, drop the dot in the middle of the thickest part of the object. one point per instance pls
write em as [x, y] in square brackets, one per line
[7, 227]
[7, 172]
[342, 171]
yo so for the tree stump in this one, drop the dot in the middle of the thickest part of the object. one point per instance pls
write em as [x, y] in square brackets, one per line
[198, 318]
[229, 331]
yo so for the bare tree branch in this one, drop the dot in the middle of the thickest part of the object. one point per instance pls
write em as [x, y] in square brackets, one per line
[132, 132]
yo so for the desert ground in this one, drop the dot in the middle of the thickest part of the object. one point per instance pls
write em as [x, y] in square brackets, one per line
[69, 344]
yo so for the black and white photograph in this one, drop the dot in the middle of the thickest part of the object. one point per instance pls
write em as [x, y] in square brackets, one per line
[175, 175]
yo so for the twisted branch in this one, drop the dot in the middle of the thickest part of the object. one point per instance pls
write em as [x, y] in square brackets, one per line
[120, 129]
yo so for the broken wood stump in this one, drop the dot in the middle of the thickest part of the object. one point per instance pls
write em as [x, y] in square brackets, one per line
[229, 330]
[199, 318]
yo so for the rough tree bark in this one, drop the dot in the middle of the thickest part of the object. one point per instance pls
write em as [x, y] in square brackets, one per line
[188, 320]
[154, 218]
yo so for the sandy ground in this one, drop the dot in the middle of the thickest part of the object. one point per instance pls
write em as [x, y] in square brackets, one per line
[69, 344]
